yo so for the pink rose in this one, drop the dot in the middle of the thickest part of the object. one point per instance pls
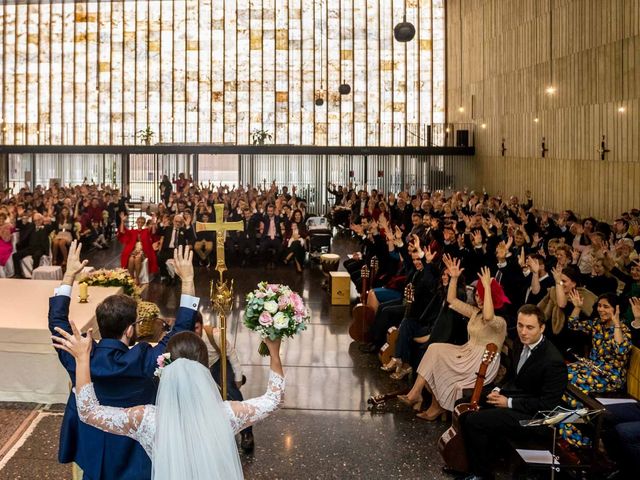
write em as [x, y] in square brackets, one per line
[260, 294]
[160, 360]
[273, 287]
[283, 302]
[265, 319]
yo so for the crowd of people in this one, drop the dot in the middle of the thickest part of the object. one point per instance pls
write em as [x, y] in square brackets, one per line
[48, 220]
[490, 270]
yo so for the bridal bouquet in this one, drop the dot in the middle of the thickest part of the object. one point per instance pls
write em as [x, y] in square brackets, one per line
[275, 311]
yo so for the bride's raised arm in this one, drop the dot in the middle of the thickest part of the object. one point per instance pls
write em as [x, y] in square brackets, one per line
[120, 421]
[253, 410]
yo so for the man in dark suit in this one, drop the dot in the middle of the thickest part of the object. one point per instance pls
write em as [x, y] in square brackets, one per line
[271, 238]
[34, 241]
[122, 376]
[247, 239]
[173, 237]
[536, 383]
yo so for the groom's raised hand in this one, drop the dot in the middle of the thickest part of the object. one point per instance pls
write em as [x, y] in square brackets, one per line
[183, 263]
[74, 264]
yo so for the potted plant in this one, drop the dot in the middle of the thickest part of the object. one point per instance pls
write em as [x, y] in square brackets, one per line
[258, 136]
[145, 135]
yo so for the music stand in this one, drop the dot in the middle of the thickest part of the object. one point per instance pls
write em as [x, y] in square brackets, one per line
[552, 418]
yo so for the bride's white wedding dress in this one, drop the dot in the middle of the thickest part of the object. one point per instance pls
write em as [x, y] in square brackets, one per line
[190, 423]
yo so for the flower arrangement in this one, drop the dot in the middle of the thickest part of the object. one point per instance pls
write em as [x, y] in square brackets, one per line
[275, 311]
[119, 277]
[162, 361]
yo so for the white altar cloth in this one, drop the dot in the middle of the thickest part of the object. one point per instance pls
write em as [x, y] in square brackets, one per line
[31, 371]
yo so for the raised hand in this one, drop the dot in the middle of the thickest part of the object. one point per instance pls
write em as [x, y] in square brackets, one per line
[522, 258]
[575, 298]
[575, 255]
[183, 263]
[534, 265]
[557, 274]
[453, 265]
[635, 307]
[74, 264]
[485, 277]
[477, 238]
[428, 254]
[73, 343]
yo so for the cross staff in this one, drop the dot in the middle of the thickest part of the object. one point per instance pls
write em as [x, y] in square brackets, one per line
[222, 298]
[220, 227]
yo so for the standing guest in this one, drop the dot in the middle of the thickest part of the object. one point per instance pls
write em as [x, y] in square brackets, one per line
[122, 372]
[536, 383]
[137, 245]
[235, 378]
[165, 189]
[271, 238]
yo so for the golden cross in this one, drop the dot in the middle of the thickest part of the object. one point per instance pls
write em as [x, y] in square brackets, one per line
[220, 227]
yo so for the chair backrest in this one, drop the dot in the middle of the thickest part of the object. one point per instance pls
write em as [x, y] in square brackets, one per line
[633, 374]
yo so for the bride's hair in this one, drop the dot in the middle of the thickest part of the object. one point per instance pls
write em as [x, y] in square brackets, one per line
[188, 345]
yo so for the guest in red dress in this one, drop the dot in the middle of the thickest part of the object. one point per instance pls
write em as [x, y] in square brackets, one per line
[138, 245]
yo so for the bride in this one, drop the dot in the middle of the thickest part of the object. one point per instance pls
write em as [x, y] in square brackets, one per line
[189, 433]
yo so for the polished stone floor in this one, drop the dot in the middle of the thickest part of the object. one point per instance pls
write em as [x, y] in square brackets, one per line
[324, 430]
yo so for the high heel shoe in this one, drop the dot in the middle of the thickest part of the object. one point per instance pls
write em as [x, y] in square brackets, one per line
[400, 373]
[442, 416]
[416, 405]
[391, 366]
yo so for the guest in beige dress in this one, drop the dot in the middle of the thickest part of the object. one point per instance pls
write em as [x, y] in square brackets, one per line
[446, 369]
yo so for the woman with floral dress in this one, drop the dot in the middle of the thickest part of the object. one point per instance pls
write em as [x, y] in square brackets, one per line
[606, 368]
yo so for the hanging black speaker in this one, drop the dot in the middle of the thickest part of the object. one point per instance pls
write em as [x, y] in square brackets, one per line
[404, 31]
[344, 89]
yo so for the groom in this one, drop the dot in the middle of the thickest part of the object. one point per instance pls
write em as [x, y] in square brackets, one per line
[122, 373]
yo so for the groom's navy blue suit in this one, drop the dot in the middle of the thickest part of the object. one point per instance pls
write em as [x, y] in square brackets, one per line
[122, 377]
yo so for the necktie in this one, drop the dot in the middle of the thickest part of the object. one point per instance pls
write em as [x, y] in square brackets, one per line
[173, 239]
[523, 357]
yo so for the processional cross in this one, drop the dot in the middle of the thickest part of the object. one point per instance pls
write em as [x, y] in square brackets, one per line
[221, 291]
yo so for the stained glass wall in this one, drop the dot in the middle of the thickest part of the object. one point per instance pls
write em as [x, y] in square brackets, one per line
[99, 72]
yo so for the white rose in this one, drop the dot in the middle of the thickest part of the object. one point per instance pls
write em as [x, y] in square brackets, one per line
[280, 321]
[271, 306]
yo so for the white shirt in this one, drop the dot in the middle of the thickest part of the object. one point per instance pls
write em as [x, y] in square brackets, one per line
[232, 355]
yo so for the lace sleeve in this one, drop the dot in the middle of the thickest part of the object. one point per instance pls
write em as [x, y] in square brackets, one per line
[132, 422]
[244, 414]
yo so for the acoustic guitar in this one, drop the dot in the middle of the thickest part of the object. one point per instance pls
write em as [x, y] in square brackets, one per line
[389, 348]
[362, 314]
[451, 443]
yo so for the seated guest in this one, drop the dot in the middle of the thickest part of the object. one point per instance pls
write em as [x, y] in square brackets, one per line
[64, 236]
[137, 245]
[271, 237]
[541, 281]
[6, 241]
[211, 339]
[296, 244]
[621, 437]
[205, 241]
[123, 376]
[600, 281]
[445, 370]
[557, 308]
[34, 241]
[173, 237]
[606, 368]
[536, 383]
[247, 239]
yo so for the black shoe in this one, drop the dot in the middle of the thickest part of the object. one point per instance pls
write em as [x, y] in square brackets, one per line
[246, 441]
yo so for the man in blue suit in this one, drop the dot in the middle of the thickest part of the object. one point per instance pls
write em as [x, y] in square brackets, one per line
[122, 373]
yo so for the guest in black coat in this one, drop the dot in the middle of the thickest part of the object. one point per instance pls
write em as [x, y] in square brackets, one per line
[271, 236]
[536, 383]
[172, 237]
[34, 241]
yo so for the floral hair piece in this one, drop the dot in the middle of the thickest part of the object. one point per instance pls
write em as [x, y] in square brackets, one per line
[162, 361]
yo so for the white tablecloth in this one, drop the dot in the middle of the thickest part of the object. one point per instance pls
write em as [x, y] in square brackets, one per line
[31, 371]
[49, 272]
